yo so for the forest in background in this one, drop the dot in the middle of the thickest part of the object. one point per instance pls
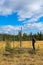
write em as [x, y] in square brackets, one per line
[23, 37]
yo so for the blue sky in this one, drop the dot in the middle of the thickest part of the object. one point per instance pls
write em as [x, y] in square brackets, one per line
[15, 14]
[10, 20]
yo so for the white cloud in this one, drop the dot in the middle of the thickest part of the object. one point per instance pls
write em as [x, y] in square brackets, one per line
[34, 18]
[15, 29]
[2, 2]
[32, 9]
[10, 29]
[34, 26]
[24, 8]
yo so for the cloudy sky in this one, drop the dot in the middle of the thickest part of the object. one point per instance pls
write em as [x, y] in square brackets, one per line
[15, 14]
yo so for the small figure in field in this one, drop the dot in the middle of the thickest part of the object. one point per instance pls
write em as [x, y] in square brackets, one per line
[33, 42]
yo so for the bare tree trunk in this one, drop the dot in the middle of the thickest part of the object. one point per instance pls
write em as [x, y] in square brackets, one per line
[13, 40]
[21, 38]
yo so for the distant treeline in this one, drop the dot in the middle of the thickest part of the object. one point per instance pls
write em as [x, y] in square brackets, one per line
[23, 37]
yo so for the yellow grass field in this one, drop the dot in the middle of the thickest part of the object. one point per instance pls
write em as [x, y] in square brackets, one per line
[25, 44]
[26, 58]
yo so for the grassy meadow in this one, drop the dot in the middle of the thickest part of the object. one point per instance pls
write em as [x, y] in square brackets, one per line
[26, 56]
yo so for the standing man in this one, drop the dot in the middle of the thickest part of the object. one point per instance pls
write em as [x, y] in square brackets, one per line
[33, 42]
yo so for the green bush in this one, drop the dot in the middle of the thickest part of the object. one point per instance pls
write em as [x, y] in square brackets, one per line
[8, 46]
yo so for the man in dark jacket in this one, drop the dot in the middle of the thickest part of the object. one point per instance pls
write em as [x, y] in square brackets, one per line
[33, 42]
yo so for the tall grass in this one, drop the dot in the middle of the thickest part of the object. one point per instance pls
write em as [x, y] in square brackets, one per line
[8, 45]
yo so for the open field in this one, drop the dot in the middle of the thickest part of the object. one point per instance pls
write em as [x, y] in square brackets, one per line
[26, 57]
[25, 44]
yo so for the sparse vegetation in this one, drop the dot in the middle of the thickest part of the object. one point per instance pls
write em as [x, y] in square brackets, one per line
[25, 54]
[8, 45]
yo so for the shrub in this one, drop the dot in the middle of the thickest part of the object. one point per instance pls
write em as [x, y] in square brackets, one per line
[8, 46]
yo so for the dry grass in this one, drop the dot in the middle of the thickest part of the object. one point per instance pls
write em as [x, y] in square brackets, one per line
[26, 58]
[25, 44]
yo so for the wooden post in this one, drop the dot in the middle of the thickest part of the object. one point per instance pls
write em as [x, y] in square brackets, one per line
[21, 38]
[13, 40]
